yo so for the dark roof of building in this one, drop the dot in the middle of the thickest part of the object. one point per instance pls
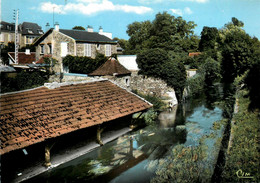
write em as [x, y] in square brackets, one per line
[109, 68]
[23, 58]
[33, 116]
[29, 28]
[7, 27]
[85, 36]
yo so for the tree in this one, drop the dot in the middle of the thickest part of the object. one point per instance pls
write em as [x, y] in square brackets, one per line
[210, 69]
[156, 62]
[209, 37]
[78, 28]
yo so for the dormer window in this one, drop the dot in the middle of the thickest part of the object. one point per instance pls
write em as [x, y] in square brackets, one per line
[40, 31]
[30, 31]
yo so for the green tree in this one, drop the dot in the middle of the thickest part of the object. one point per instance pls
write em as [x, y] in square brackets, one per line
[78, 28]
[210, 69]
[209, 38]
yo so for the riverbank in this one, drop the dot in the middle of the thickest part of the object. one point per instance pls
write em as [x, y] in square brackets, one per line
[243, 158]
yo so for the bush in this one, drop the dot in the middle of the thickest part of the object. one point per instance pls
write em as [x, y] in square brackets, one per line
[83, 65]
[24, 80]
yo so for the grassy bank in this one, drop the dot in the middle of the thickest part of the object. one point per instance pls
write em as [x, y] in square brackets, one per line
[243, 157]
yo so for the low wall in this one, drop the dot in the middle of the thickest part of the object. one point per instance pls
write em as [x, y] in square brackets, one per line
[142, 84]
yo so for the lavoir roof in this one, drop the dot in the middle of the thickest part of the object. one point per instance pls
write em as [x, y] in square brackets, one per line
[32, 116]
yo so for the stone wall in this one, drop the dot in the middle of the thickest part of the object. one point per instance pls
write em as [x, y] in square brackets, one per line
[153, 86]
[142, 84]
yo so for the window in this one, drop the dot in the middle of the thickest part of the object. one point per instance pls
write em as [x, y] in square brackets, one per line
[108, 50]
[50, 48]
[40, 31]
[87, 50]
[30, 31]
[29, 39]
[42, 49]
[98, 46]
[64, 49]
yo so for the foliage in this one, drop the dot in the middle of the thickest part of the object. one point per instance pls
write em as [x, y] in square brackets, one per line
[125, 45]
[78, 28]
[83, 65]
[4, 52]
[209, 38]
[194, 86]
[158, 63]
[252, 81]
[244, 153]
[158, 105]
[150, 61]
[23, 80]
[185, 164]
[210, 70]
[165, 31]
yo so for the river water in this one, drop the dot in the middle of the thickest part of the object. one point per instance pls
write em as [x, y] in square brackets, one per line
[137, 155]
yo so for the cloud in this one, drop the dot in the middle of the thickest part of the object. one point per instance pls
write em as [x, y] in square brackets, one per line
[161, 1]
[89, 7]
[187, 10]
[180, 12]
[177, 11]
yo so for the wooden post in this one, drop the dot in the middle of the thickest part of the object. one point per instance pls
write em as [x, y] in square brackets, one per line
[99, 131]
[132, 126]
[47, 156]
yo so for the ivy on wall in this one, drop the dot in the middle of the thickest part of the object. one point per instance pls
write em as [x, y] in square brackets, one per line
[83, 65]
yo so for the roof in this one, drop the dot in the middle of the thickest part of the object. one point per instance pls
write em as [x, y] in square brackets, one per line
[29, 28]
[194, 54]
[35, 115]
[85, 36]
[23, 58]
[128, 61]
[109, 68]
[41, 60]
[80, 36]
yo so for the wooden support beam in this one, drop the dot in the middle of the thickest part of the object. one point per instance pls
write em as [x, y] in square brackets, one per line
[99, 131]
[47, 154]
[132, 126]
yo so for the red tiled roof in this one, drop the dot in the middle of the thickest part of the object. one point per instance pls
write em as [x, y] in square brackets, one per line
[109, 68]
[29, 117]
[194, 54]
[41, 60]
[23, 58]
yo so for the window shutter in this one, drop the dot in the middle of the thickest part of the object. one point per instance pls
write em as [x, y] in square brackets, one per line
[88, 50]
[64, 49]
[108, 50]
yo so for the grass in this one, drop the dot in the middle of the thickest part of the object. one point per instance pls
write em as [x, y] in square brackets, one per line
[243, 158]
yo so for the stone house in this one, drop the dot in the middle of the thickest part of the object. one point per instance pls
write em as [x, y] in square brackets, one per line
[61, 42]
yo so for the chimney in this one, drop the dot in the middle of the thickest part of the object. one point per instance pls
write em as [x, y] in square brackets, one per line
[100, 30]
[27, 52]
[57, 26]
[90, 28]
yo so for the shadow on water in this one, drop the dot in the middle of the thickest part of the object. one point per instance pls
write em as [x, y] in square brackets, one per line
[134, 157]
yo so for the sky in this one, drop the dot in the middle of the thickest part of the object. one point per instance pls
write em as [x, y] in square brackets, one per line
[115, 15]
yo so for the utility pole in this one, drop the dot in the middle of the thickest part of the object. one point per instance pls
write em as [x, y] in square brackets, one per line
[16, 16]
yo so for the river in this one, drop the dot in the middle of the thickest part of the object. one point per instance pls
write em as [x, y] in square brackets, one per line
[140, 155]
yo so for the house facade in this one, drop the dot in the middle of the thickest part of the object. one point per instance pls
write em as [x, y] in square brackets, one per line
[62, 42]
[27, 33]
